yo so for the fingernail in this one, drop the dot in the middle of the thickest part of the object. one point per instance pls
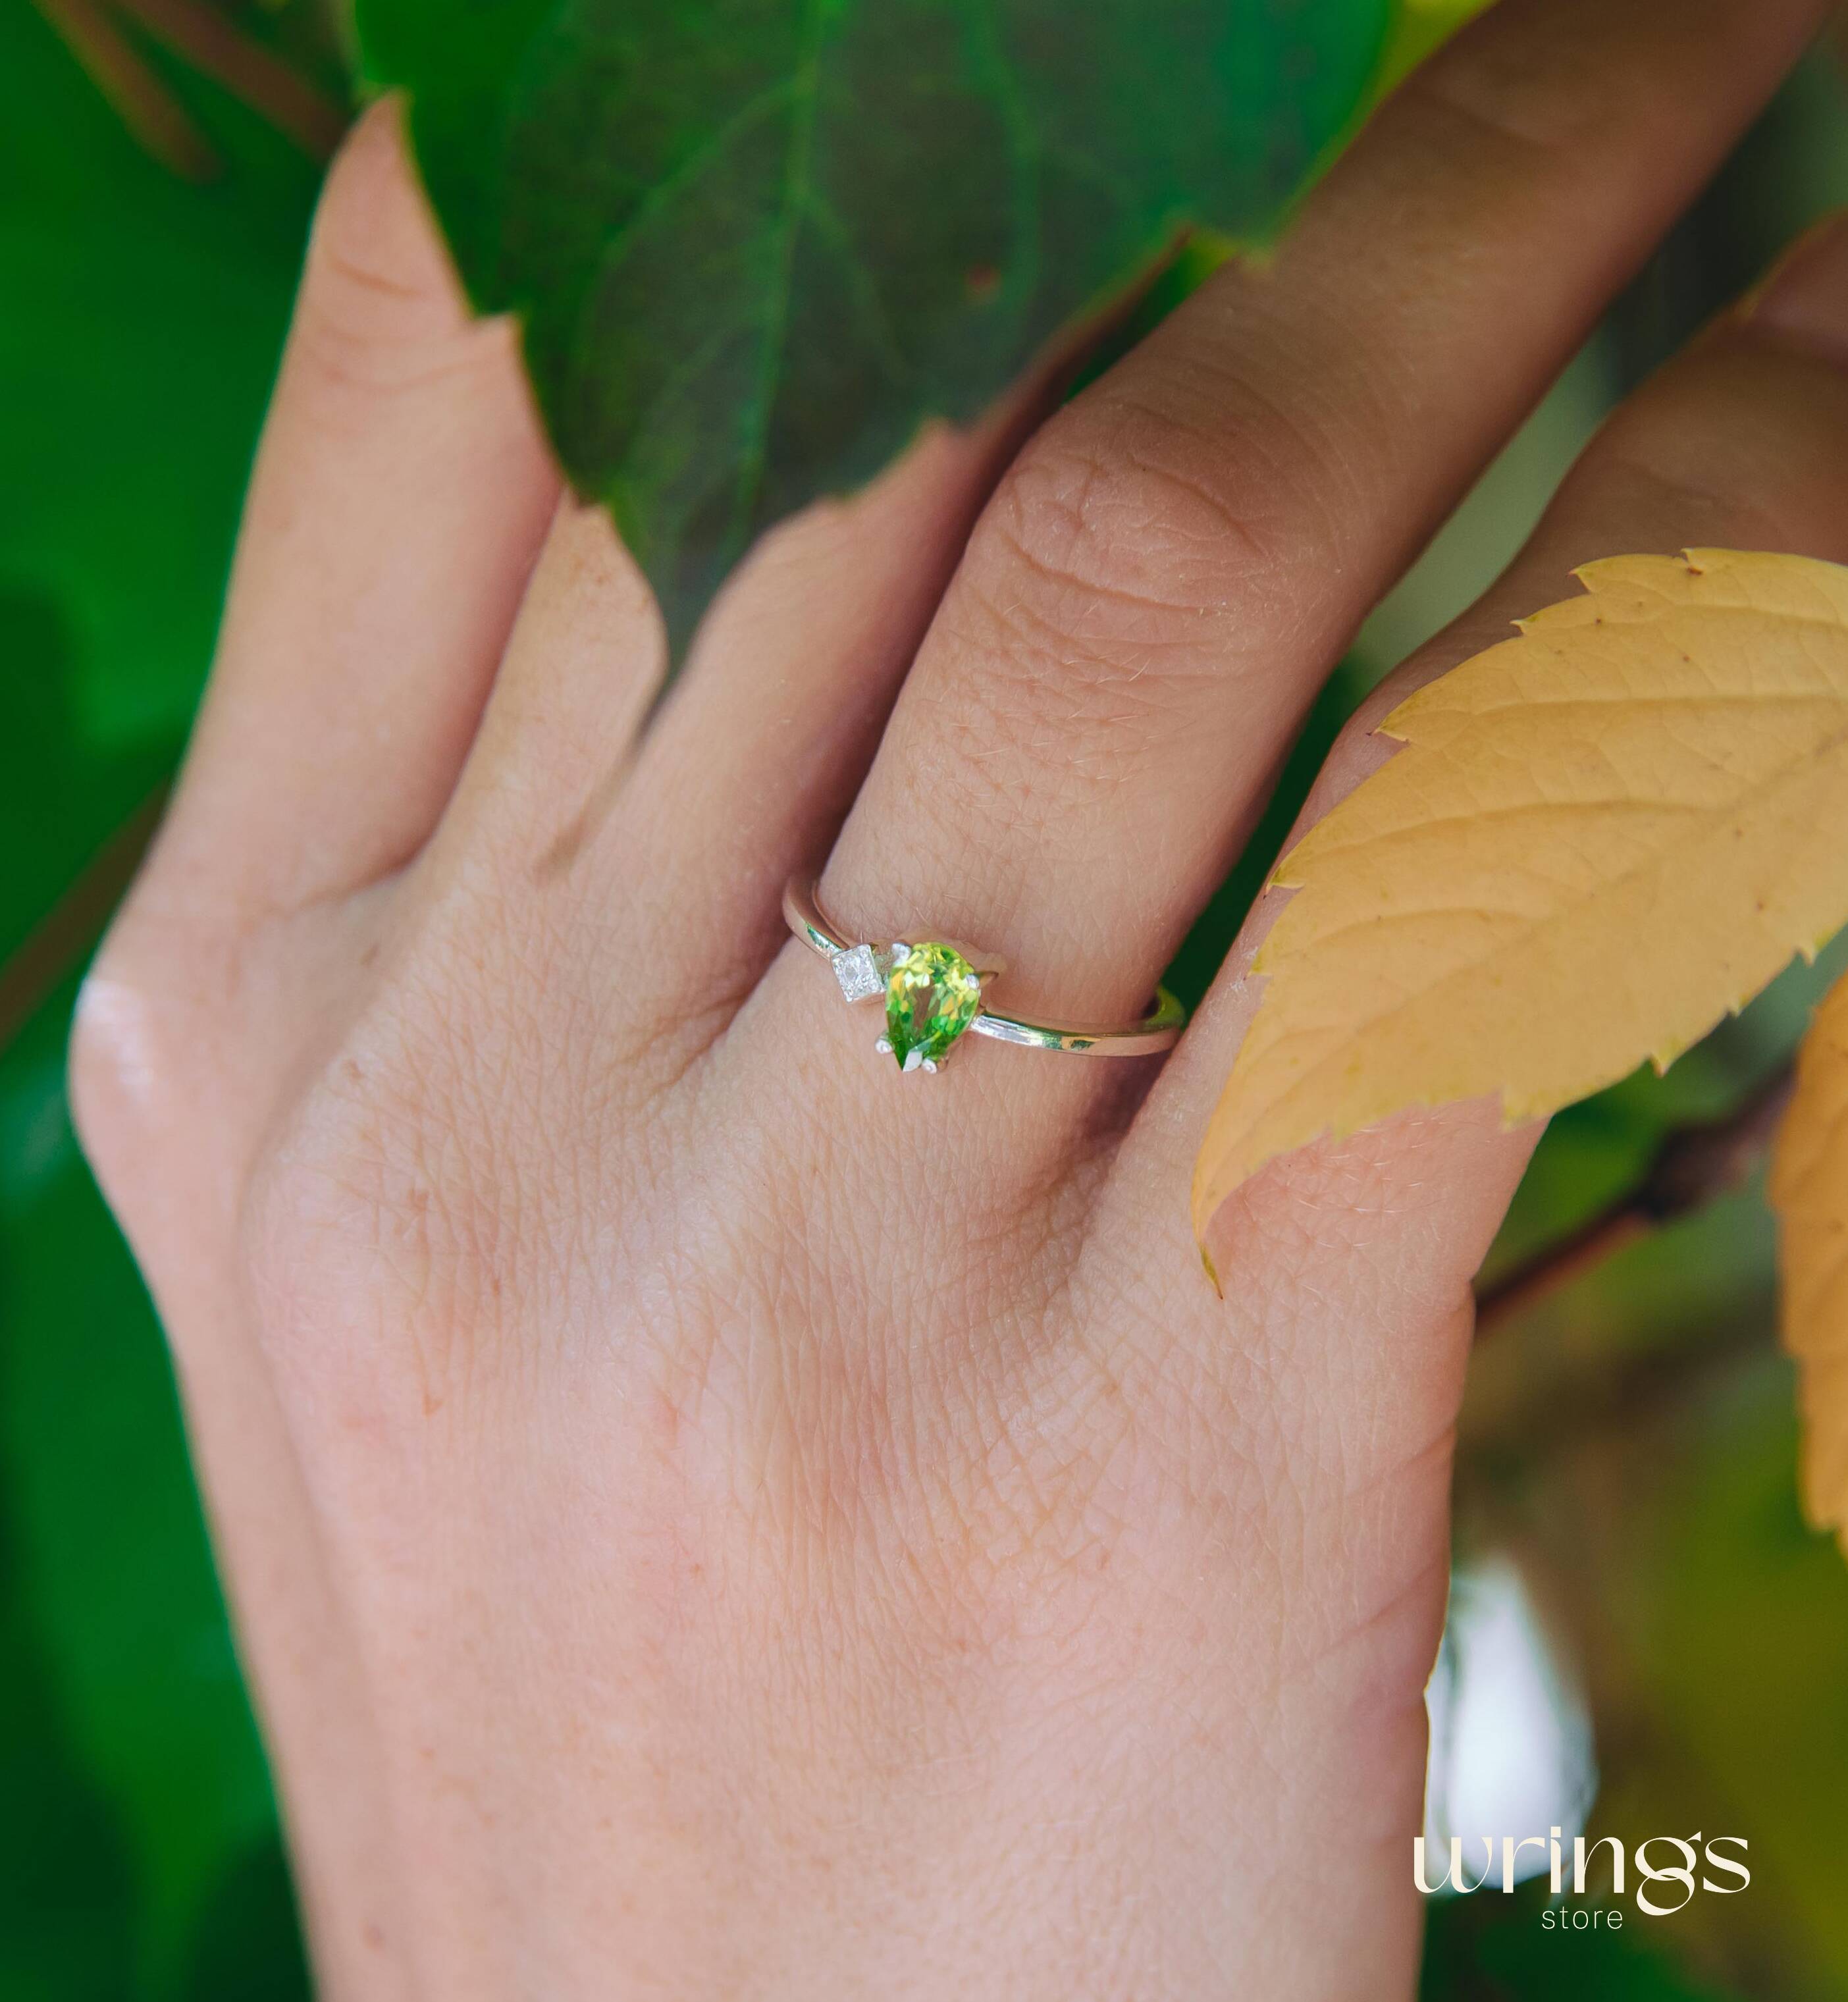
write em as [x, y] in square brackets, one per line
[1805, 298]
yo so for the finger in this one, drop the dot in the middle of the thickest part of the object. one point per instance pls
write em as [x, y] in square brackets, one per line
[1742, 443]
[400, 493]
[1347, 1313]
[1169, 572]
[587, 654]
[672, 856]
[791, 685]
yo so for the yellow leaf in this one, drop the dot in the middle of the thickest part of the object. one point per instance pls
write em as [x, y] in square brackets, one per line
[1809, 1186]
[1599, 837]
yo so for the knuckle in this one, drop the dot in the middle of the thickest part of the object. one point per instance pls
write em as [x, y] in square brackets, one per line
[108, 1070]
[380, 310]
[1734, 478]
[1115, 572]
[1525, 104]
[146, 1017]
[1130, 505]
[1741, 441]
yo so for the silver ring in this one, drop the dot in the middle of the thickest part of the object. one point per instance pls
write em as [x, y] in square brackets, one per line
[935, 991]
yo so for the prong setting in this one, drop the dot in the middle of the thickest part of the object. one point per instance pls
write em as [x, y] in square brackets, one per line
[932, 994]
[915, 1060]
[860, 975]
[939, 995]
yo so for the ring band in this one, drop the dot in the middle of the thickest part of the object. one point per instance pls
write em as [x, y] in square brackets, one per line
[934, 991]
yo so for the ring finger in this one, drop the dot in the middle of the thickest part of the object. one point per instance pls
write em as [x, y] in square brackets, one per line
[1172, 566]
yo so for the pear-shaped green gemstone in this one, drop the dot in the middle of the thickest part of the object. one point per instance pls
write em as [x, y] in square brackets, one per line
[931, 996]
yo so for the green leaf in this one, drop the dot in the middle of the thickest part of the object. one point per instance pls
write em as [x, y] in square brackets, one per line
[113, 1569]
[756, 243]
[143, 319]
[1740, 1615]
[144, 316]
[66, 1896]
[1493, 1946]
[58, 801]
[248, 1947]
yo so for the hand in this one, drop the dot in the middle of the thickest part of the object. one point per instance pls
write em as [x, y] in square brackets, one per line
[707, 1516]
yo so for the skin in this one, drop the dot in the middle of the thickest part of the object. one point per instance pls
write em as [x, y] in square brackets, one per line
[706, 1517]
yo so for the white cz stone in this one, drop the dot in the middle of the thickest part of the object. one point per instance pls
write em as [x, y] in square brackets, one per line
[858, 972]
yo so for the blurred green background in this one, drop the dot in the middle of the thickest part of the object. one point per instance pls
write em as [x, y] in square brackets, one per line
[1629, 1444]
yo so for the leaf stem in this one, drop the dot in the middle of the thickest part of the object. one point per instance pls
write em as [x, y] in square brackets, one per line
[216, 48]
[76, 921]
[1693, 1166]
[139, 98]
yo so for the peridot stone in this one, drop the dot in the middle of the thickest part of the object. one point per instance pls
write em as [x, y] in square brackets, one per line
[931, 996]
